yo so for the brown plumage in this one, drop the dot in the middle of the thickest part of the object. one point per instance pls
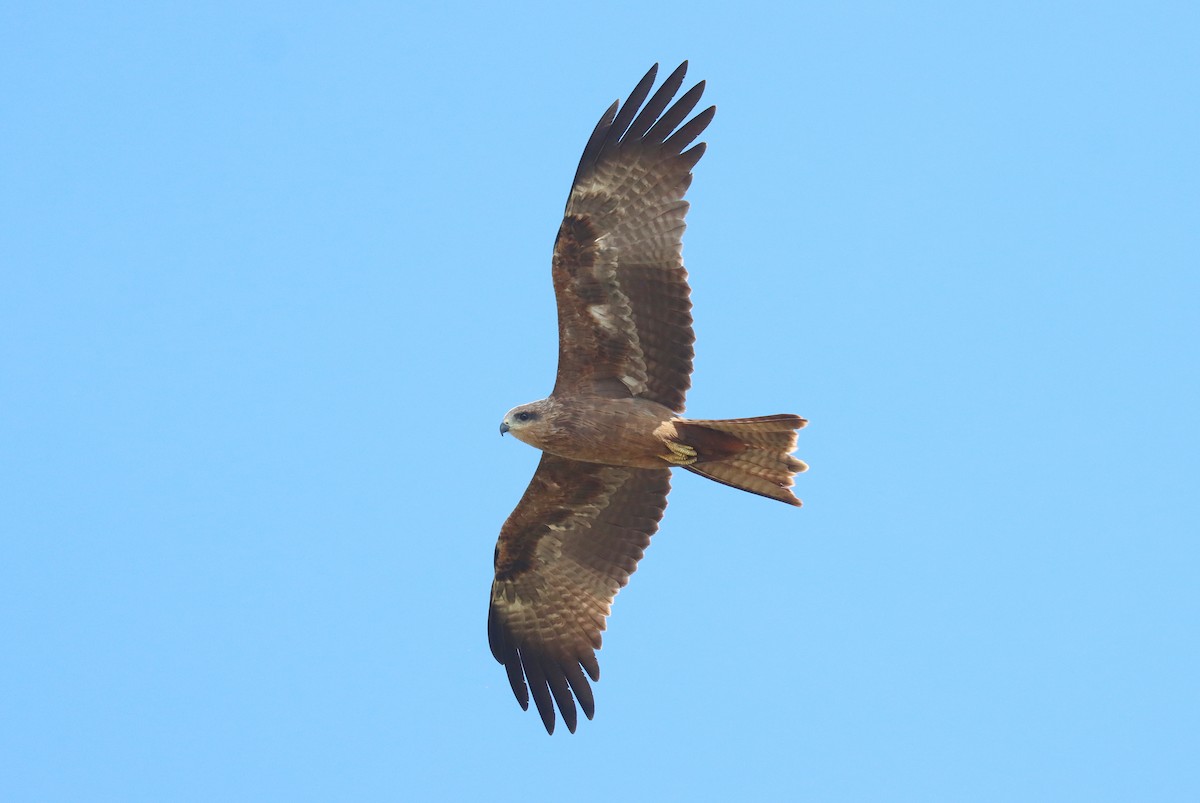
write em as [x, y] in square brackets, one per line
[612, 429]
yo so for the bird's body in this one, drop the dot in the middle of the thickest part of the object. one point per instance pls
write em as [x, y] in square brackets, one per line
[612, 428]
[615, 432]
[639, 433]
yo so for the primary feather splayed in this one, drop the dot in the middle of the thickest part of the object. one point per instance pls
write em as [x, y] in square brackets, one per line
[612, 429]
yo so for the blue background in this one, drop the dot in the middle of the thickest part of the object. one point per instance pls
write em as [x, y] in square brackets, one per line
[270, 276]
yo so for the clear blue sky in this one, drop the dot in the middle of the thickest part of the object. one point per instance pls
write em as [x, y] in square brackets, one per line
[271, 275]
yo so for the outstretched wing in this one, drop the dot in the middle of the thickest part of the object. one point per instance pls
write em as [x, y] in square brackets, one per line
[624, 316]
[571, 544]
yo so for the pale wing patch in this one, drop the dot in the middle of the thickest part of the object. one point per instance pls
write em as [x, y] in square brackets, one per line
[582, 515]
[616, 318]
[602, 315]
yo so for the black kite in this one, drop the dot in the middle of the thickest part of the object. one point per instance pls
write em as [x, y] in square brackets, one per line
[611, 430]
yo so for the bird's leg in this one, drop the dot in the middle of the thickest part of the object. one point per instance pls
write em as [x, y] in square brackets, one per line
[681, 454]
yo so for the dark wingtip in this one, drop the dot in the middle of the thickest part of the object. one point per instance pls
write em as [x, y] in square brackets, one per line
[547, 714]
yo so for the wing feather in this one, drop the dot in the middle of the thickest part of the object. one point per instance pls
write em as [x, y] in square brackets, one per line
[624, 311]
[675, 115]
[660, 101]
[573, 541]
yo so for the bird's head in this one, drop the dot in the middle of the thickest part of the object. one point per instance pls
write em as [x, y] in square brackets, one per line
[526, 421]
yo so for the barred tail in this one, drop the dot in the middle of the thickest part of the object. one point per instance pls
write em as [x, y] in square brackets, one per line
[753, 454]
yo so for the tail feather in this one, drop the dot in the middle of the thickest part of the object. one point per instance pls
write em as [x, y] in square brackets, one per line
[753, 454]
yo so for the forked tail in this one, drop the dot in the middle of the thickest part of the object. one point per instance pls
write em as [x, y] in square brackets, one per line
[753, 454]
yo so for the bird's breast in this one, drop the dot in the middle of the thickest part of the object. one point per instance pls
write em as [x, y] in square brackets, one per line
[615, 432]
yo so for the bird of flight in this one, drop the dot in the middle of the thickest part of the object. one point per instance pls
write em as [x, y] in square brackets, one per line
[612, 428]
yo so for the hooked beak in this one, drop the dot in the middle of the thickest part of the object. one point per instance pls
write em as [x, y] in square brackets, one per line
[503, 427]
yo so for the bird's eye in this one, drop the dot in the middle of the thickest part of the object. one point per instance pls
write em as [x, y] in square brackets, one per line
[523, 416]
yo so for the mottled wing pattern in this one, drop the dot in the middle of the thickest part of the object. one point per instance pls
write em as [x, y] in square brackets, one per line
[624, 316]
[563, 554]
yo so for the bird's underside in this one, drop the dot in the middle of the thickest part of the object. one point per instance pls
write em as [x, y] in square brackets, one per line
[613, 427]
